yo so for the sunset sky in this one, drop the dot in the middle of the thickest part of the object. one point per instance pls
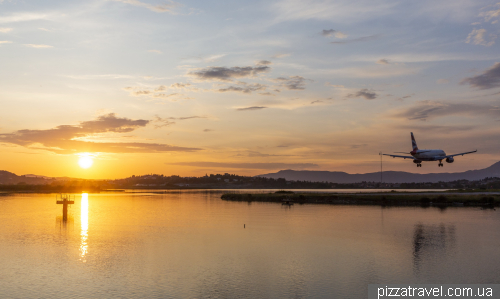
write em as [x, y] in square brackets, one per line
[246, 87]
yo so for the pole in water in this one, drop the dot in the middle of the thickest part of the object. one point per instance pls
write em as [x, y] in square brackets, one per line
[381, 180]
[65, 201]
[243, 225]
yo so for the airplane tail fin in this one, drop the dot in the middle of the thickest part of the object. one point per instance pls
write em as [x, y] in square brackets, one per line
[413, 143]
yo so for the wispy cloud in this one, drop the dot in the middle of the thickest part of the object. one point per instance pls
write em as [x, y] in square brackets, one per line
[357, 40]
[292, 82]
[437, 128]
[236, 165]
[162, 122]
[5, 42]
[190, 117]
[23, 17]
[38, 46]
[488, 79]
[164, 7]
[372, 71]
[168, 121]
[207, 59]
[181, 86]
[383, 61]
[5, 30]
[263, 62]
[338, 10]
[335, 33]
[256, 154]
[244, 89]
[425, 110]
[363, 93]
[251, 108]
[281, 55]
[491, 14]
[403, 98]
[156, 93]
[478, 37]
[228, 74]
[213, 58]
[155, 51]
[66, 139]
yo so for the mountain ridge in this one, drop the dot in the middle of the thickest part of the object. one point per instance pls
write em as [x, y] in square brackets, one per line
[388, 176]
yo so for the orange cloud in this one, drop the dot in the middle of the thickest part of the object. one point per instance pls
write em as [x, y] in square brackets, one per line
[64, 139]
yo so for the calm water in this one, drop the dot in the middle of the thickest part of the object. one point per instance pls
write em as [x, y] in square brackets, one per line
[193, 245]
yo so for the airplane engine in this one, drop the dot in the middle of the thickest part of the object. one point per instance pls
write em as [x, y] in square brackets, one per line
[450, 160]
[417, 161]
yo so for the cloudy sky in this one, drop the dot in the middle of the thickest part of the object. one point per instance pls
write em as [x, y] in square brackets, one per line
[246, 87]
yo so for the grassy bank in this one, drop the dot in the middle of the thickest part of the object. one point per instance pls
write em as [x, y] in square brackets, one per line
[385, 199]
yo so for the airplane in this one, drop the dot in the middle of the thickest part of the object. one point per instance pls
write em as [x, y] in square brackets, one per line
[419, 156]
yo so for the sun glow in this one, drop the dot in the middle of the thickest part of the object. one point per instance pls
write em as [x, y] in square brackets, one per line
[85, 162]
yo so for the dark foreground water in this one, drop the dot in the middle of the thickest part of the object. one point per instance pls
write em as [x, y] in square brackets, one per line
[193, 245]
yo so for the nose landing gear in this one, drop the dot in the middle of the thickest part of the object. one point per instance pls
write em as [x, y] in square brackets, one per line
[440, 164]
[419, 164]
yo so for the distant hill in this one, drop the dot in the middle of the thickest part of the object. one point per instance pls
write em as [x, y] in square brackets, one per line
[5, 175]
[9, 178]
[388, 176]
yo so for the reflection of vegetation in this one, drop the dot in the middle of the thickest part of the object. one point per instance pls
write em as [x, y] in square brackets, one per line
[431, 242]
[384, 199]
[284, 192]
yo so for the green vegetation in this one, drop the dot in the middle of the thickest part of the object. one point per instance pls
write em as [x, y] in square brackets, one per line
[232, 181]
[212, 181]
[385, 199]
[12, 182]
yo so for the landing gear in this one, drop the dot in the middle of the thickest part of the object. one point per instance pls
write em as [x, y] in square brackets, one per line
[419, 165]
[440, 164]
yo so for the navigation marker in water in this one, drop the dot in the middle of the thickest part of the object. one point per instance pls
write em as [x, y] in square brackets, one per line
[65, 200]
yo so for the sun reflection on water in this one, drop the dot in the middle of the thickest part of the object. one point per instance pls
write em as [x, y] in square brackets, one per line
[85, 226]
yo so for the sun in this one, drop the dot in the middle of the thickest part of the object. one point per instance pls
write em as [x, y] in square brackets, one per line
[85, 162]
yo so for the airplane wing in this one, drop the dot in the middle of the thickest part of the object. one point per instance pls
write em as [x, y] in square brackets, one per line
[404, 157]
[461, 154]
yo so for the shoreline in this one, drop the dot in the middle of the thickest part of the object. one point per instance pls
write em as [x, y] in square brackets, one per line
[381, 199]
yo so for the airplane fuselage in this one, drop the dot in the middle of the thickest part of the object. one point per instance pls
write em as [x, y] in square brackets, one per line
[429, 155]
